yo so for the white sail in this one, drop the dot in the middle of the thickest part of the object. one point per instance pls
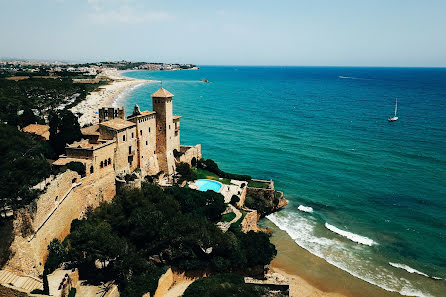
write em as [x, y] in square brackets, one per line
[396, 106]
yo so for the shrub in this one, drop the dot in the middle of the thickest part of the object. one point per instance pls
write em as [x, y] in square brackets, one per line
[57, 255]
[79, 167]
[177, 154]
[186, 172]
[211, 166]
[72, 292]
[235, 199]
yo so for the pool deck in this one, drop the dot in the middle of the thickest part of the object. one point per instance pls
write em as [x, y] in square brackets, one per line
[226, 190]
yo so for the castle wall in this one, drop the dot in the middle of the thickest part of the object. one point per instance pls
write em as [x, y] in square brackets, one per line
[78, 153]
[30, 252]
[126, 159]
[104, 155]
[189, 153]
[146, 133]
[176, 135]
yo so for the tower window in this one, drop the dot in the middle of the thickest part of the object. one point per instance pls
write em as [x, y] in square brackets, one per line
[123, 138]
[149, 129]
[147, 143]
[132, 135]
[169, 127]
[140, 132]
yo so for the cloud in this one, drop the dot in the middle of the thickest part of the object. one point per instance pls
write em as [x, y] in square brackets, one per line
[123, 14]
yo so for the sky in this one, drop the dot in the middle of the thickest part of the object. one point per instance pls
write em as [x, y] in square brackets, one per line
[231, 32]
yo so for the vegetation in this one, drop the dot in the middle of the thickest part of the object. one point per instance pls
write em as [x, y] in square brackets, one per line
[6, 234]
[185, 172]
[38, 95]
[56, 255]
[211, 166]
[23, 166]
[177, 154]
[64, 129]
[204, 174]
[264, 205]
[78, 167]
[223, 285]
[256, 184]
[72, 292]
[141, 231]
[227, 217]
[235, 199]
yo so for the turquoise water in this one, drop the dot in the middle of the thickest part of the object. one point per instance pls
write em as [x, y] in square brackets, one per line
[376, 189]
[206, 184]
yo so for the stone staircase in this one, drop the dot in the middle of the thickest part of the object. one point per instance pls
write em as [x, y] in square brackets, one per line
[24, 283]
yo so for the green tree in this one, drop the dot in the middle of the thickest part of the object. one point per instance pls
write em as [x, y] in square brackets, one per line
[23, 166]
[64, 129]
[185, 172]
[57, 254]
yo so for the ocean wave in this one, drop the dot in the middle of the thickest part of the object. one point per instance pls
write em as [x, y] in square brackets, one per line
[352, 236]
[301, 230]
[351, 77]
[412, 270]
[305, 208]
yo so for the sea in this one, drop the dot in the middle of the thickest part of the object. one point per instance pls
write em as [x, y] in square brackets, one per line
[365, 195]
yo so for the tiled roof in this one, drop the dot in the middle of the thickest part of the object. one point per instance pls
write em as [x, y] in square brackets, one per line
[162, 93]
[41, 130]
[118, 124]
[91, 130]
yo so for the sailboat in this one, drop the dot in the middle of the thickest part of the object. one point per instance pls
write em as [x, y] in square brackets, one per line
[394, 118]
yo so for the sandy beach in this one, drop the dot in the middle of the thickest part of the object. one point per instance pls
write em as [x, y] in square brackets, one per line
[105, 96]
[311, 276]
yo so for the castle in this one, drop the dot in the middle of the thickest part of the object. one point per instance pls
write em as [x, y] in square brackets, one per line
[149, 140]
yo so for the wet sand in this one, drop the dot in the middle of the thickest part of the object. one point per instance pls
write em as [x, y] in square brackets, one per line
[312, 276]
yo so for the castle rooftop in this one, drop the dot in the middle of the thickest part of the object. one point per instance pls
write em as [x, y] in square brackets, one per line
[41, 130]
[118, 124]
[141, 114]
[162, 93]
[86, 144]
[90, 130]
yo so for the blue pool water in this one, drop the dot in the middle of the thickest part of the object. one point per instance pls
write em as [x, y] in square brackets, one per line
[372, 193]
[207, 184]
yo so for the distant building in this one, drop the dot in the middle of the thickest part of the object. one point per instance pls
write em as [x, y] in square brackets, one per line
[145, 140]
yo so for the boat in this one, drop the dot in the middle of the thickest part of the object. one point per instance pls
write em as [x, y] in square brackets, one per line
[394, 118]
[205, 80]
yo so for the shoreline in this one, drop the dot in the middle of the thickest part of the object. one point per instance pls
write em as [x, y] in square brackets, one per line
[311, 276]
[105, 96]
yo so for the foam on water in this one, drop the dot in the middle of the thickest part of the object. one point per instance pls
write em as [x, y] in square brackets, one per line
[342, 254]
[352, 236]
[412, 270]
[305, 208]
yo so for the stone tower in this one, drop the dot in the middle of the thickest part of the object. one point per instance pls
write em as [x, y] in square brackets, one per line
[162, 105]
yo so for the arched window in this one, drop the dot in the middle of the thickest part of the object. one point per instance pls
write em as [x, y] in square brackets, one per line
[109, 161]
[102, 164]
[91, 169]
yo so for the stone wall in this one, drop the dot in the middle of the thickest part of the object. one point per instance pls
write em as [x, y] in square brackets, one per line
[54, 194]
[267, 193]
[30, 252]
[190, 152]
[10, 292]
[164, 283]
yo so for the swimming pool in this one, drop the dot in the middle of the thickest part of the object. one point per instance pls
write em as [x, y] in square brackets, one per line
[207, 184]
